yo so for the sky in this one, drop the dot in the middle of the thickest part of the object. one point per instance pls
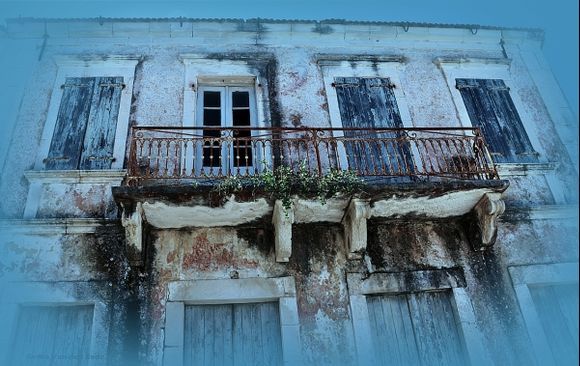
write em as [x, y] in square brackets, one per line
[558, 18]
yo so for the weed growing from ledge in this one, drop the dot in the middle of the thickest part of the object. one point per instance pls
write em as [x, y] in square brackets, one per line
[282, 183]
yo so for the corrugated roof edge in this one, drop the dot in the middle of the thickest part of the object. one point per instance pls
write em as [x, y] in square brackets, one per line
[268, 20]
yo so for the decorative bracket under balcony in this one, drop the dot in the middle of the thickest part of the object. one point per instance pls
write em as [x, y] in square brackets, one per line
[133, 224]
[355, 227]
[484, 225]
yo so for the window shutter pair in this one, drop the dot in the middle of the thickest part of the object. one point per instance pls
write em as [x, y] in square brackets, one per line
[85, 127]
[370, 103]
[491, 108]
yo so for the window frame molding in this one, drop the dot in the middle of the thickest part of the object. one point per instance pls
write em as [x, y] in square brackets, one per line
[229, 291]
[483, 68]
[203, 71]
[384, 67]
[60, 293]
[361, 285]
[91, 66]
[391, 68]
[522, 277]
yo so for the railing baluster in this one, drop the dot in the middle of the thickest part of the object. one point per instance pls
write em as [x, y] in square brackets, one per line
[196, 152]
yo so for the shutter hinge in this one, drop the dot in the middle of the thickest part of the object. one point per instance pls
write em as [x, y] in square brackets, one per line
[122, 85]
[92, 157]
[77, 85]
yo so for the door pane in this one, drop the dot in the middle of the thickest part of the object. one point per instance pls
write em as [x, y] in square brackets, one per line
[212, 117]
[415, 329]
[242, 154]
[557, 308]
[53, 335]
[232, 334]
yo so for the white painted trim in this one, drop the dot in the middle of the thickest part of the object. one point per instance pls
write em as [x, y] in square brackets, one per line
[486, 69]
[109, 176]
[54, 226]
[16, 294]
[228, 291]
[91, 66]
[384, 283]
[37, 178]
[384, 69]
[544, 212]
[539, 274]
[524, 169]
[200, 70]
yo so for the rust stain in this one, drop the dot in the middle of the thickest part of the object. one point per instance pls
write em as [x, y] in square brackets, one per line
[296, 119]
[207, 256]
[171, 256]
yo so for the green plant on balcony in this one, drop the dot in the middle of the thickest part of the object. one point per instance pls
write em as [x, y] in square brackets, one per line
[283, 182]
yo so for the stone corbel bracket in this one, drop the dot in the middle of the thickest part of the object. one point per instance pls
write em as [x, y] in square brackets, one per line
[133, 224]
[485, 215]
[355, 227]
[282, 220]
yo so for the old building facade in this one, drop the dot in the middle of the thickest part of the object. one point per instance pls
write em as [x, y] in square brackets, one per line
[426, 213]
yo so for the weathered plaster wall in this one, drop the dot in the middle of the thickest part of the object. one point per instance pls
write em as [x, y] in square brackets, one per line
[299, 92]
[319, 264]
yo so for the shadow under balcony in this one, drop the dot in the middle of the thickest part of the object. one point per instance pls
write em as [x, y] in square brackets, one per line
[176, 177]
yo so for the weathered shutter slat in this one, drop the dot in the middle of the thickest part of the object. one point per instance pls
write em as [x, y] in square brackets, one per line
[415, 329]
[491, 108]
[71, 124]
[232, 334]
[392, 330]
[371, 103]
[102, 123]
[557, 308]
[53, 335]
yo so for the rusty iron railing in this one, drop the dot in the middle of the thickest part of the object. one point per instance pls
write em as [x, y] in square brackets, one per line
[210, 152]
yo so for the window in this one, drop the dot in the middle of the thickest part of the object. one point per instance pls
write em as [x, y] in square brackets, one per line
[44, 325]
[222, 108]
[50, 335]
[252, 321]
[490, 107]
[369, 103]
[548, 299]
[86, 123]
[414, 318]
[88, 115]
[233, 334]
[415, 329]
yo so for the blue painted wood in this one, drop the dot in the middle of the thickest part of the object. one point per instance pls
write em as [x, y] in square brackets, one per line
[371, 103]
[232, 334]
[53, 335]
[491, 108]
[415, 329]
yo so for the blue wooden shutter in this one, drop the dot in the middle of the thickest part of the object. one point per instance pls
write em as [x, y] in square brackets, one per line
[557, 308]
[233, 334]
[53, 335]
[71, 124]
[371, 103]
[490, 107]
[102, 123]
[415, 329]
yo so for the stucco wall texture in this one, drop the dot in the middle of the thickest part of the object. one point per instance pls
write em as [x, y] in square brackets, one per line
[77, 237]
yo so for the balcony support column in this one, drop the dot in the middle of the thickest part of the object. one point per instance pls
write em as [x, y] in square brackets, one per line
[484, 224]
[282, 219]
[355, 227]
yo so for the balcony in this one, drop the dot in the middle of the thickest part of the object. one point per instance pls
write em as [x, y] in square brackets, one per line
[419, 173]
[410, 154]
